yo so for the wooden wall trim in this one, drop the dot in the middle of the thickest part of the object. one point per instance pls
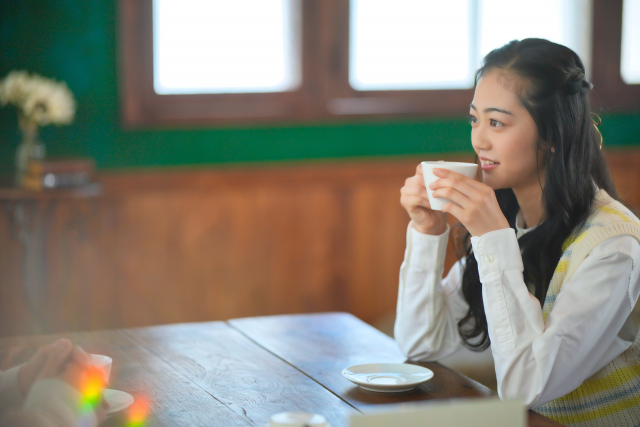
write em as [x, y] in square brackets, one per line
[332, 171]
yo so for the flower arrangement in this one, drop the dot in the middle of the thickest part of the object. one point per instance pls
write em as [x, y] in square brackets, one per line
[40, 101]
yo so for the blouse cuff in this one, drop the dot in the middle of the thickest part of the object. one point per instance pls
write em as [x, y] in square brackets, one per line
[10, 395]
[497, 251]
[428, 251]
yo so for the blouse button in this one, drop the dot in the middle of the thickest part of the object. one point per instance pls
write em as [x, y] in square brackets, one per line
[488, 259]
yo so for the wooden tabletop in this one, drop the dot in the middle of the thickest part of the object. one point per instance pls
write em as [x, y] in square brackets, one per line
[240, 372]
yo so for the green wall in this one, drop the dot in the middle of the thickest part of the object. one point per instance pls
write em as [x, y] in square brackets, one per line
[75, 41]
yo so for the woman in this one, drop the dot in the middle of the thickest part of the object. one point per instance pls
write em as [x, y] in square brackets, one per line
[550, 277]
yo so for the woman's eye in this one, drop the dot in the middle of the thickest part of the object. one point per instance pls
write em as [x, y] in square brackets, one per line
[472, 119]
[494, 123]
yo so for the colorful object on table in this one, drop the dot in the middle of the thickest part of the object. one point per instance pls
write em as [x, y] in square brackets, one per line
[138, 413]
[93, 383]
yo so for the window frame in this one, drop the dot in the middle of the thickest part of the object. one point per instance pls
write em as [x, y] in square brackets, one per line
[325, 94]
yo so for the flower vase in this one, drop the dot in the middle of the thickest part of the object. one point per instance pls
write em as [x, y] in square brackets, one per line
[29, 148]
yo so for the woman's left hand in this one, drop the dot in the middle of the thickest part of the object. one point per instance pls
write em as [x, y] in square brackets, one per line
[475, 204]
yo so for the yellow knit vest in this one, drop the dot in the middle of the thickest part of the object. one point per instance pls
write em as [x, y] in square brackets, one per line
[611, 396]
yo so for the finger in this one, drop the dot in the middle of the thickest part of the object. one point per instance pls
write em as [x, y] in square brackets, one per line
[413, 202]
[30, 370]
[41, 356]
[414, 181]
[58, 357]
[413, 190]
[454, 195]
[454, 210]
[419, 170]
[72, 374]
[446, 173]
[461, 186]
[80, 356]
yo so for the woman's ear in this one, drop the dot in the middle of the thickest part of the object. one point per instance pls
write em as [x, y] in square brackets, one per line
[545, 146]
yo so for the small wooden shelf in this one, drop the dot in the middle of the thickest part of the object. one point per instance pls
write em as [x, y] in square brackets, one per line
[15, 193]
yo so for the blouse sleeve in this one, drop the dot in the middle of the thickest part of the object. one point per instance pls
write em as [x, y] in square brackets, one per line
[59, 403]
[10, 395]
[538, 361]
[429, 307]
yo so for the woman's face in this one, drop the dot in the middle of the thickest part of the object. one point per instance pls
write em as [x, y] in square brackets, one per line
[504, 135]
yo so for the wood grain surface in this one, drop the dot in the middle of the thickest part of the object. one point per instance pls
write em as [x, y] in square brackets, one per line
[323, 345]
[241, 372]
[242, 375]
[164, 395]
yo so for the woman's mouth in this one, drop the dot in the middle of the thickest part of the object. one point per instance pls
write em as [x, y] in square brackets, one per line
[488, 164]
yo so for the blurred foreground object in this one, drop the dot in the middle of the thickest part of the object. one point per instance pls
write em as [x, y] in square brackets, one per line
[448, 413]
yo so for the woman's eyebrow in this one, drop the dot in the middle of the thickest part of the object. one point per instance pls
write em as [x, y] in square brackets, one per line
[487, 110]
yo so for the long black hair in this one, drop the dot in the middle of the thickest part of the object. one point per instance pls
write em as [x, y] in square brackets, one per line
[554, 90]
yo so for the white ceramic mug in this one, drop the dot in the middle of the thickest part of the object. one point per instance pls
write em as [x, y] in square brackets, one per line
[298, 419]
[467, 169]
[103, 363]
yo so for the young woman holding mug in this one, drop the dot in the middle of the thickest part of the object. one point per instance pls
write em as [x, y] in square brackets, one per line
[551, 273]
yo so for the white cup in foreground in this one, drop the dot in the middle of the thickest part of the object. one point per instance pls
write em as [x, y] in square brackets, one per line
[298, 419]
[103, 363]
[467, 169]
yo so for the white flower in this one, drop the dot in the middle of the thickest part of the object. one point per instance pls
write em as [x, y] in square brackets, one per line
[42, 101]
[12, 88]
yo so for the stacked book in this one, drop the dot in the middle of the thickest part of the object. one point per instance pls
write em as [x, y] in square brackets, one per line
[58, 173]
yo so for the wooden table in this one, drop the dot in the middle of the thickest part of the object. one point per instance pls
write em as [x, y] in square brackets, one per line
[240, 372]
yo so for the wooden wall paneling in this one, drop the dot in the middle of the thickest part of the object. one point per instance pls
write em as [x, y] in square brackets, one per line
[179, 246]
[624, 167]
[14, 313]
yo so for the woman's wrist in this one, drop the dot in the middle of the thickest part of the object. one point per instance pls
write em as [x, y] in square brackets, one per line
[434, 230]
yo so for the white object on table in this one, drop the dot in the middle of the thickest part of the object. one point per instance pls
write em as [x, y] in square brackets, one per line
[298, 419]
[387, 377]
[117, 400]
[103, 363]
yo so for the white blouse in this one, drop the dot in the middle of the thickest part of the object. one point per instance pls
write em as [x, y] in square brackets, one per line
[592, 322]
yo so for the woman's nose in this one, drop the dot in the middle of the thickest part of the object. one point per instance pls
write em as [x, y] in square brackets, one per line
[479, 139]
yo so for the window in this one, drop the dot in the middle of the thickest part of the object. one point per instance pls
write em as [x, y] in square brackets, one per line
[630, 55]
[237, 61]
[392, 45]
[239, 46]
[432, 44]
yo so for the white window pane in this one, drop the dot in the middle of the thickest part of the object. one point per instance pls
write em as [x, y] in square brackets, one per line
[566, 22]
[630, 58]
[226, 46]
[410, 44]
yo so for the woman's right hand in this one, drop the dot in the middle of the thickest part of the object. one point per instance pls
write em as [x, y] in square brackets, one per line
[414, 198]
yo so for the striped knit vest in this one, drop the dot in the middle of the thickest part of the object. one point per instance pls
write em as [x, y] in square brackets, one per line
[611, 396]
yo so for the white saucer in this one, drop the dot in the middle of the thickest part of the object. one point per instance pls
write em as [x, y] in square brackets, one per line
[387, 377]
[118, 400]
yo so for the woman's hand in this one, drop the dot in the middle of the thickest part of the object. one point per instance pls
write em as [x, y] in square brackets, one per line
[28, 372]
[64, 361]
[414, 198]
[59, 352]
[475, 204]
